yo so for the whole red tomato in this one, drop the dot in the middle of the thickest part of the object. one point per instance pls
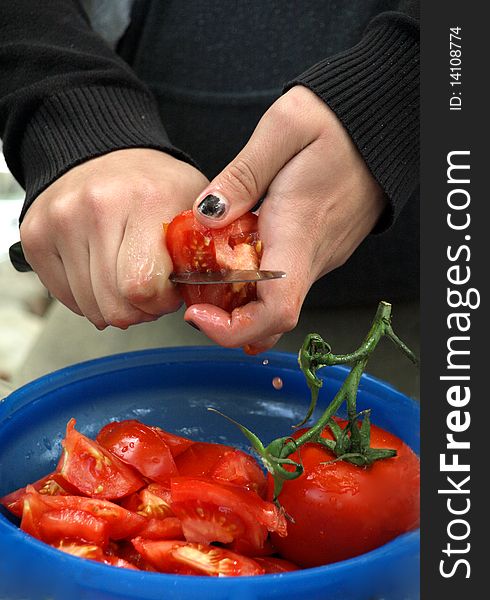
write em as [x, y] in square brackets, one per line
[341, 510]
[194, 247]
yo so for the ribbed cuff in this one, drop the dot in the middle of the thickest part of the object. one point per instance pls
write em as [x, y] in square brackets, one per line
[84, 123]
[374, 90]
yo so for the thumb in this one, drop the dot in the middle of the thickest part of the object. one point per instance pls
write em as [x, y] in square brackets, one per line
[239, 187]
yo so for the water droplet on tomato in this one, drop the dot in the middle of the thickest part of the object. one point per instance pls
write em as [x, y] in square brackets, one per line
[155, 459]
[277, 383]
[131, 445]
[124, 449]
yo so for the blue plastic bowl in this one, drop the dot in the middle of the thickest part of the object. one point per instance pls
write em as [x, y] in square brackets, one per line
[172, 387]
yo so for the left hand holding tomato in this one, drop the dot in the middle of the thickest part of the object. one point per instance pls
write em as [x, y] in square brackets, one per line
[321, 201]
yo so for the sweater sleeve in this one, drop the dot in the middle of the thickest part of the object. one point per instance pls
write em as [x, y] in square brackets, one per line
[374, 90]
[65, 96]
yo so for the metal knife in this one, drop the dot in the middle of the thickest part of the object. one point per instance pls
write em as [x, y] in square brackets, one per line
[225, 276]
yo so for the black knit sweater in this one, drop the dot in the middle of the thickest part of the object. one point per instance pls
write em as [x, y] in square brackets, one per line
[201, 74]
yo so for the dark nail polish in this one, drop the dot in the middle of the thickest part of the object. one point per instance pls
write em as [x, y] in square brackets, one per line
[192, 324]
[212, 206]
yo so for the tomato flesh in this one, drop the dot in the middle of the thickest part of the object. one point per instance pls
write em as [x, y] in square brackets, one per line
[50, 485]
[218, 512]
[93, 470]
[194, 247]
[195, 559]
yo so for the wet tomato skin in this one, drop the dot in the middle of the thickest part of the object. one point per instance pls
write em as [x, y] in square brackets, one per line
[341, 510]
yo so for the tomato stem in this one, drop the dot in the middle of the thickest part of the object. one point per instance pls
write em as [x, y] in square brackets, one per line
[351, 443]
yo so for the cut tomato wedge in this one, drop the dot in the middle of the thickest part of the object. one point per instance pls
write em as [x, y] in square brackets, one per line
[176, 443]
[140, 446]
[195, 559]
[200, 458]
[75, 548]
[217, 512]
[224, 463]
[69, 523]
[52, 485]
[240, 468]
[153, 501]
[272, 564]
[121, 523]
[163, 529]
[93, 470]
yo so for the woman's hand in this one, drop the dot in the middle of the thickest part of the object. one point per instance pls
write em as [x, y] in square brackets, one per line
[321, 201]
[95, 238]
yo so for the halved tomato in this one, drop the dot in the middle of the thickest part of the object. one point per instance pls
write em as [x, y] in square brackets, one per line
[93, 470]
[195, 559]
[194, 247]
[140, 446]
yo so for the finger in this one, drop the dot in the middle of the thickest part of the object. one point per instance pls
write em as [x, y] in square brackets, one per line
[233, 192]
[52, 275]
[143, 269]
[77, 269]
[262, 345]
[116, 310]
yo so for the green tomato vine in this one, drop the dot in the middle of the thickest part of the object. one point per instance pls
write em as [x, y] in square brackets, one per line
[350, 443]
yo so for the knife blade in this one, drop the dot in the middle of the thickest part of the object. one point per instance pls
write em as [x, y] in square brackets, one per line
[225, 276]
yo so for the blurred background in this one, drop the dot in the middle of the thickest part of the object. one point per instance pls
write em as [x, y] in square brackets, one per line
[39, 335]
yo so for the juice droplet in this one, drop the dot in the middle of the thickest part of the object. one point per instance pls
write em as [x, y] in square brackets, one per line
[277, 383]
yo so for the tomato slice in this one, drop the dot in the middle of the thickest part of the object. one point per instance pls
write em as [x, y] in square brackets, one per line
[93, 470]
[69, 523]
[121, 523]
[195, 559]
[200, 458]
[176, 443]
[223, 463]
[217, 512]
[152, 502]
[140, 446]
[76, 548]
[50, 485]
[194, 247]
[162, 529]
[272, 564]
[116, 561]
[127, 552]
[240, 468]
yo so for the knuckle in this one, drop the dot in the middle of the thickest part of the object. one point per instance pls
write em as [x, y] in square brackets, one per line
[32, 236]
[242, 178]
[62, 212]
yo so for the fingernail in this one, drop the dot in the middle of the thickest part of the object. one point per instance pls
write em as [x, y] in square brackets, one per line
[192, 324]
[212, 206]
